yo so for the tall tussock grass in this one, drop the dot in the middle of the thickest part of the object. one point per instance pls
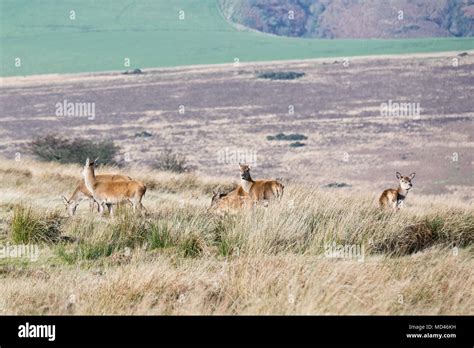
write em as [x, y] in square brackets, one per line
[31, 226]
[303, 223]
[451, 228]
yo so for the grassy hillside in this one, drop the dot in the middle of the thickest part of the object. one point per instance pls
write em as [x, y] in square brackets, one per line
[354, 19]
[183, 258]
[150, 34]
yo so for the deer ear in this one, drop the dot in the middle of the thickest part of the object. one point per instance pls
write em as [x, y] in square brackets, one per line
[95, 161]
[399, 175]
[65, 200]
[87, 161]
[412, 175]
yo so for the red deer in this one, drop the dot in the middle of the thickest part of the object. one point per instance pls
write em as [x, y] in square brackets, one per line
[113, 192]
[259, 190]
[394, 198]
[234, 199]
[81, 192]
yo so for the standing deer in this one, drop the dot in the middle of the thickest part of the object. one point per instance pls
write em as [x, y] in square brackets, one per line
[259, 190]
[394, 198]
[81, 192]
[113, 192]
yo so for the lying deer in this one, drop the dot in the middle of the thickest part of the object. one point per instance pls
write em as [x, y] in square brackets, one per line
[234, 199]
[259, 190]
[113, 192]
[394, 198]
[81, 192]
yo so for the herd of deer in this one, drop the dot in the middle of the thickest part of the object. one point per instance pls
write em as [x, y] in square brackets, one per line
[112, 189]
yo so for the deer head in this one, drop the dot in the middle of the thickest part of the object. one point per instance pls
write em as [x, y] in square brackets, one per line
[405, 181]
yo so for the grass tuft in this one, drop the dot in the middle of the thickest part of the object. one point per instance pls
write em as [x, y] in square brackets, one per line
[31, 226]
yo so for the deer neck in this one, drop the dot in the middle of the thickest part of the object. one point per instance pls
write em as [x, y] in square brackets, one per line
[247, 184]
[89, 179]
[77, 195]
[401, 193]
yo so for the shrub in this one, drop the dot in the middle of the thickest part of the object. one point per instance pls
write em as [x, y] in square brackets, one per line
[28, 226]
[171, 162]
[297, 144]
[280, 75]
[143, 134]
[337, 185]
[136, 71]
[289, 137]
[63, 150]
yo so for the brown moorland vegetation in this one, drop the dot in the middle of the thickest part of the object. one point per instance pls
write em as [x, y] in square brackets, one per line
[318, 251]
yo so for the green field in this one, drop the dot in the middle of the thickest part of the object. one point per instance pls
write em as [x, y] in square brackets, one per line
[150, 34]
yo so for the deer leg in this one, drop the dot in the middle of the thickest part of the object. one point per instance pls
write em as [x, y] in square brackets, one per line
[111, 209]
[101, 208]
[92, 204]
[395, 206]
[142, 208]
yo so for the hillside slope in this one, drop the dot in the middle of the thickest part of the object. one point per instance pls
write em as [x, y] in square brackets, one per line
[151, 33]
[354, 19]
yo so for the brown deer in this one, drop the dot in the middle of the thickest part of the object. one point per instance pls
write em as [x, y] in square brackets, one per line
[394, 198]
[81, 192]
[232, 200]
[113, 192]
[259, 190]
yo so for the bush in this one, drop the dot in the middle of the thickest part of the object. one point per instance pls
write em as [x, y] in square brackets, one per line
[136, 71]
[143, 134]
[63, 150]
[297, 144]
[337, 185]
[171, 162]
[28, 226]
[289, 137]
[280, 75]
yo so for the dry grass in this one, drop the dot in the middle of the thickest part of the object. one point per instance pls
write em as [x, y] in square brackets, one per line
[183, 258]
